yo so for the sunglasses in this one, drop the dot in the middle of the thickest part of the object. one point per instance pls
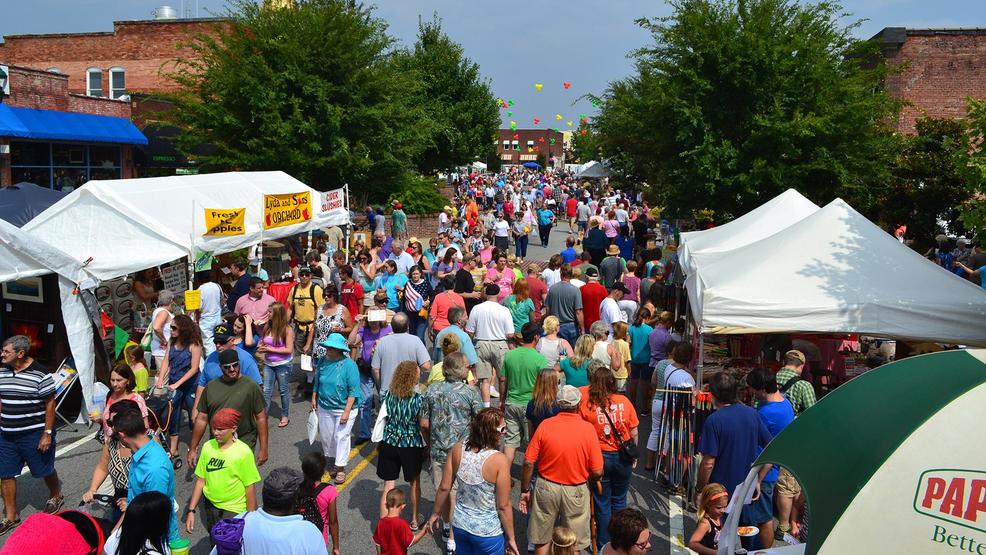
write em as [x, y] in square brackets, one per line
[645, 544]
[230, 366]
[175, 328]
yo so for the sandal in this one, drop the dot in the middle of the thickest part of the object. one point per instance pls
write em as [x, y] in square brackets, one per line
[7, 525]
[283, 423]
[54, 503]
[340, 476]
[415, 526]
[176, 461]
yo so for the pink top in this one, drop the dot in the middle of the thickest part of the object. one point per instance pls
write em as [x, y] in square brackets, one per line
[505, 280]
[275, 359]
[324, 499]
[612, 228]
[633, 284]
[136, 397]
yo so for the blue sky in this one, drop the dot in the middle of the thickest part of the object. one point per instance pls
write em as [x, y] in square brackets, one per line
[517, 44]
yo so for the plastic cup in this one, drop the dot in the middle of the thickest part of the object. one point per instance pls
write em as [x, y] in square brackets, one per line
[180, 546]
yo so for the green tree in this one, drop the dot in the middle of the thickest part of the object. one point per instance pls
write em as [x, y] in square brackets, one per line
[973, 210]
[585, 144]
[461, 109]
[738, 100]
[930, 181]
[313, 90]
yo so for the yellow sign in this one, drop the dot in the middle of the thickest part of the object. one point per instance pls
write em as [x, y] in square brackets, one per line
[193, 299]
[222, 222]
[290, 209]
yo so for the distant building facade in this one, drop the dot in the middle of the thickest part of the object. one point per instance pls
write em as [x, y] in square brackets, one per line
[941, 69]
[516, 147]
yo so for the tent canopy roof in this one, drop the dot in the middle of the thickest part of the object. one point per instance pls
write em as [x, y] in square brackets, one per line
[22, 255]
[126, 225]
[592, 169]
[836, 272]
[21, 202]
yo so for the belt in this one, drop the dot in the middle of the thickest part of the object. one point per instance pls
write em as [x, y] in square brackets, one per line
[561, 484]
[492, 340]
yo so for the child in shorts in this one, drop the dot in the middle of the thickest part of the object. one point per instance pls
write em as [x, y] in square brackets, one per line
[393, 535]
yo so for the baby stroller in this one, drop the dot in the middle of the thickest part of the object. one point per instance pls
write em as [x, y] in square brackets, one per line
[160, 411]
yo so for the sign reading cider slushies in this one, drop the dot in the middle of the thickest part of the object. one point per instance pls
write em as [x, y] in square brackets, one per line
[289, 209]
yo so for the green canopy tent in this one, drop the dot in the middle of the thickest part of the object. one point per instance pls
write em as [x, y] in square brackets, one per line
[892, 462]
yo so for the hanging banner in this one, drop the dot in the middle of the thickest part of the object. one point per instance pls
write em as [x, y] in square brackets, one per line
[203, 261]
[193, 299]
[333, 200]
[175, 277]
[284, 210]
[223, 222]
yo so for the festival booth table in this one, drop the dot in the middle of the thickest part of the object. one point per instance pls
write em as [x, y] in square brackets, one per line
[117, 227]
[906, 476]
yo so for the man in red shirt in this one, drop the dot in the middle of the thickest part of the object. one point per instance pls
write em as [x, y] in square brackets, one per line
[593, 294]
[351, 295]
[537, 290]
[570, 210]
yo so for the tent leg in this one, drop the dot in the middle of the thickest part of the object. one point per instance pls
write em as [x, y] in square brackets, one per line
[700, 370]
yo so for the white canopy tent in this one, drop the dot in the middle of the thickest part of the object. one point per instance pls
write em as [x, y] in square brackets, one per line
[592, 168]
[121, 226]
[835, 272]
[761, 222]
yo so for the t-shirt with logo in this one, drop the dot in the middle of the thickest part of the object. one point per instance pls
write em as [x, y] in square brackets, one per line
[227, 473]
[620, 411]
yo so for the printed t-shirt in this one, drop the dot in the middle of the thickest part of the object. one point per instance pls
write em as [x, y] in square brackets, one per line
[566, 449]
[734, 435]
[593, 294]
[351, 296]
[227, 474]
[393, 535]
[776, 415]
[244, 395]
[622, 413]
[521, 367]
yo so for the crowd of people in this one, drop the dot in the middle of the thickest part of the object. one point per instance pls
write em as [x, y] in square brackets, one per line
[453, 357]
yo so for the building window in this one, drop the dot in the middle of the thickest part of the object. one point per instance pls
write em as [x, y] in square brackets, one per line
[118, 82]
[506, 145]
[63, 166]
[94, 82]
[516, 143]
[530, 143]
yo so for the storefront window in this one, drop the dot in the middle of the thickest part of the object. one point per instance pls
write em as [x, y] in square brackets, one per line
[38, 176]
[68, 155]
[63, 166]
[68, 180]
[30, 154]
[104, 156]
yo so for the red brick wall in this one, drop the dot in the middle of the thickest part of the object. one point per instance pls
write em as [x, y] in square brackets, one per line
[944, 68]
[144, 49]
[98, 106]
[524, 135]
[37, 89]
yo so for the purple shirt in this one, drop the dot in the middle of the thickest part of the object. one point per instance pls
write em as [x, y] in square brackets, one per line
[370, 339]
[658, 340]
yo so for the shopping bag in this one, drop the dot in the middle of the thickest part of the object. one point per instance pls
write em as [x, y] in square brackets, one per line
[312, 426]
[380, 424]
[306, 363]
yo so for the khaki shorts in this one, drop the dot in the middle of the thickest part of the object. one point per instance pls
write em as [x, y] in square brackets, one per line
[569, 505]
[490, 355]
[787, 484]
[437, 473]
[516, 417]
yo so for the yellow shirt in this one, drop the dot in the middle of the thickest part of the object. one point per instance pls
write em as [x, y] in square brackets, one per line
[623, 348]
[437, 376]
[301, 302]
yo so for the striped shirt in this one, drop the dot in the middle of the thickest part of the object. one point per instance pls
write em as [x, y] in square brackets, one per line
[22, 398]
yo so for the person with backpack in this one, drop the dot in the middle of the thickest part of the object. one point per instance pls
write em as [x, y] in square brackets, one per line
[227, 474]
[144, 530]
[317, 500]
[791, 385]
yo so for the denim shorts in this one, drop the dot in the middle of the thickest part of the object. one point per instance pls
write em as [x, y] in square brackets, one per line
[16, 450]
[761, 510]
[469, 544]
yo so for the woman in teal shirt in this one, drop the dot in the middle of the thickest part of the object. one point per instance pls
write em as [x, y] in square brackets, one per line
[640, 370]
[576, 367]
[520, 304]
[391, 282]
[336, 398]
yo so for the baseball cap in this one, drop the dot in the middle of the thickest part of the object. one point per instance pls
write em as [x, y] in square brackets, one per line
[492, 289]
[221, 333]
[304, 270]
[796, 354]
[228, 357]
[591, 272]
[620, 287]
[569, 397]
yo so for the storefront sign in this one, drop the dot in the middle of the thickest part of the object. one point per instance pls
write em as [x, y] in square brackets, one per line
[955, 496]
[221, 222]
[333, 200]
[193, 299]
[175, 277]
[284, 210]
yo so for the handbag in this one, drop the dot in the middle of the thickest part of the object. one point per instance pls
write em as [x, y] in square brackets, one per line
[227, 535]
[628, 450]
[145, 341]
[381, 423]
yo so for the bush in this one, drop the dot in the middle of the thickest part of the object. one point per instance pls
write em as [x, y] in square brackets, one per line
[419, 195]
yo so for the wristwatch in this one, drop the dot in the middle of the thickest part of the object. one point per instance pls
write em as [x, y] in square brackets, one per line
[48, 431]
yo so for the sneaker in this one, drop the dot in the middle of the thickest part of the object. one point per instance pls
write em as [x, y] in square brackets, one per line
[530, 547]
[779, 533]
[446, 528]
[791, 539]
[450, 547]
[8, 525]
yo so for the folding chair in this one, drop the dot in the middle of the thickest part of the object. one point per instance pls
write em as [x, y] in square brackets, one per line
[64, 378]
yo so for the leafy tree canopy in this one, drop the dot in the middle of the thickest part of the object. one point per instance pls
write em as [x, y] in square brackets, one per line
[973, 211]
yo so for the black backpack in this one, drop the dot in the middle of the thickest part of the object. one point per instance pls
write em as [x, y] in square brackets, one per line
[308, 507]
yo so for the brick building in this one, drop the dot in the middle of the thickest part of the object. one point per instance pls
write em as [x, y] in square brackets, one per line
[519, 146]
[57, 139]
[942, 67]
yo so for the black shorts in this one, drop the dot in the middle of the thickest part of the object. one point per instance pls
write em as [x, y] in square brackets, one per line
[390, 461]
[640, 371]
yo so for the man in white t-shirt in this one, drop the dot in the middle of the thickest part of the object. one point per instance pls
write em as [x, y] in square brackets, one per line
[609, 309]
[446, 243]
[443, 219]
[210, 311]
[401, 257]
[490, 323]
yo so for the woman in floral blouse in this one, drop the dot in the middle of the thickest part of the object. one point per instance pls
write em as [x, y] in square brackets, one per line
[402, 446]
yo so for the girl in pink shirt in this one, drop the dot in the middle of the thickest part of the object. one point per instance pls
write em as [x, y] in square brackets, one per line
[325, 495]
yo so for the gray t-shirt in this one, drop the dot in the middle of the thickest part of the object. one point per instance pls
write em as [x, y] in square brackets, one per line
[563, 300]
[610, 270]
[395, 349]
[583, 212]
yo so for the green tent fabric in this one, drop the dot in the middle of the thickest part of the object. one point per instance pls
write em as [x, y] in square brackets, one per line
[120, 339]
[837, 447]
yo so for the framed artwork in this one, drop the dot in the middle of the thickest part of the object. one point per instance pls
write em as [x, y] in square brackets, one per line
[31, 330]
[25, 289]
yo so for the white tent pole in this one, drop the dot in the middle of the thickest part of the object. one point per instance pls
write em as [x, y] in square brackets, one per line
[349, 226]
[191, 255]
[700, 371]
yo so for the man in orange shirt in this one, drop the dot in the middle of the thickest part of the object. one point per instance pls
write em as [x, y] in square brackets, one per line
[593, 294]
[568, 456]
[444, 301]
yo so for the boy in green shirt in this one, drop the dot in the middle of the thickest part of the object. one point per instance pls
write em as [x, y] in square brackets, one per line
[227, 474]
[521, 367]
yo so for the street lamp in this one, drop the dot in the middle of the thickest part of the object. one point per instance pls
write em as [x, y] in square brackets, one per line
[3, 82]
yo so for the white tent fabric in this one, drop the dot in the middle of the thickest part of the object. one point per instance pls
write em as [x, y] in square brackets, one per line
[592, 169]
[761, 222]
[126, 225]
[835, 272]
[22, 255]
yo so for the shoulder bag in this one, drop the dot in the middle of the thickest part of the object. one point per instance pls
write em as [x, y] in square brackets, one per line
[628, 450]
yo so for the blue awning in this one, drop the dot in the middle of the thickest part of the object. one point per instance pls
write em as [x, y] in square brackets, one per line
[28, 123]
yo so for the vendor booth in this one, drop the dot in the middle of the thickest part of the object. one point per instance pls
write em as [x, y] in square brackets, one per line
[905, 476]
[114, 228]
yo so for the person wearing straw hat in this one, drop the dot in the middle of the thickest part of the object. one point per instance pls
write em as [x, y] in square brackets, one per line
[612, 268]
[336, 397]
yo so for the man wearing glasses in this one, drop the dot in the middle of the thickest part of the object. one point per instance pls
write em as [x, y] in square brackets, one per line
[225, 341]
[232, 391]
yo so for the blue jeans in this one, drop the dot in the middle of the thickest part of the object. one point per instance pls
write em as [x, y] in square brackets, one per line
[469, 544]
[520, 245]
[615, 484]
[281, 373]
[416, 324]
[369, 390]
[569, 333]
[182, 397]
